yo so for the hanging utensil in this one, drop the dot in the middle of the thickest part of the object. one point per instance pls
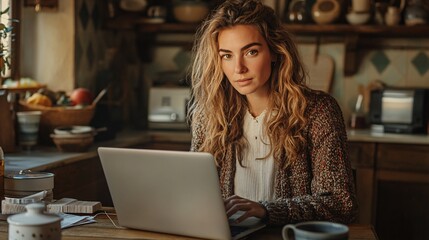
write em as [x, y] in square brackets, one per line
[321, 68]
[99, 96]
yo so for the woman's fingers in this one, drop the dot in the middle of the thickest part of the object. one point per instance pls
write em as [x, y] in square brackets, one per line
[235, 203]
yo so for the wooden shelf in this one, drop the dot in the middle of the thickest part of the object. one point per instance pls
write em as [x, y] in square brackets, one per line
[351, 33]
[367, 30]
[140, 24]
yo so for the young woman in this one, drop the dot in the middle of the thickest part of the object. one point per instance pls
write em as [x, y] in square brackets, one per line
[280, 147]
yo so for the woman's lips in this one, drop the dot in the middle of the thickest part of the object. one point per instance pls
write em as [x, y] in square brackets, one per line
[244, 81]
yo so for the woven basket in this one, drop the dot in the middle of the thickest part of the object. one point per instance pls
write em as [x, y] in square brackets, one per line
[53, 117]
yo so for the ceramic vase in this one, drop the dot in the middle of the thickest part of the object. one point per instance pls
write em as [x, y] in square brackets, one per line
[415, 13]
[393, 16]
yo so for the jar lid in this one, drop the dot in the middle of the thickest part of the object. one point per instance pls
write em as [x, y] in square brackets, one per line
[29, 181]
[29, 175]
[34, 216]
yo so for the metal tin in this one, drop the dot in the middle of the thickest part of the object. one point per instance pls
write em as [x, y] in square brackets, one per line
[26, 183]
[29, 181]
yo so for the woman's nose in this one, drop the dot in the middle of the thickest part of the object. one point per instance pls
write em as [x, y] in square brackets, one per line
[240, 66]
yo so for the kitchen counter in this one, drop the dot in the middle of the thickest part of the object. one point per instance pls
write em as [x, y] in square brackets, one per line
[366, 135]
[45, 158]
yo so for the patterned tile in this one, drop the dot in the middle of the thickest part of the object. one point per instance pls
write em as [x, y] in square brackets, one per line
[78, 51]
[367, 70]
[90, 55]
[84, 14]
[96, 18]
[396, 71]
[380, 61]
[421, 63]
[399, 60]
[182, 60]
[414, 77]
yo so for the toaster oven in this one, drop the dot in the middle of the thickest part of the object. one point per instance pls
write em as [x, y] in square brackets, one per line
[400, 110]
[168, 108]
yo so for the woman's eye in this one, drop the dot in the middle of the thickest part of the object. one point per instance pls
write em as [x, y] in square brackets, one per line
[252, 52]
[226, 56]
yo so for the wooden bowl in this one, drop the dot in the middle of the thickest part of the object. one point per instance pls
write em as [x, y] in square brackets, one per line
[73, 142]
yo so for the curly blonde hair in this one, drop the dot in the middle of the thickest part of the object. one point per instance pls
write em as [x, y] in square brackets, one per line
[221, 108]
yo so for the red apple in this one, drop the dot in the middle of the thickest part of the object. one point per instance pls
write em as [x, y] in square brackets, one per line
[81, 96]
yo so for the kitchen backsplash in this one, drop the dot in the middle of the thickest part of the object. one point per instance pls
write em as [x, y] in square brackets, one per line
[109, 58]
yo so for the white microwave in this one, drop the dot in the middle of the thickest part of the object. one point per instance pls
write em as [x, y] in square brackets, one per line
[168, 107]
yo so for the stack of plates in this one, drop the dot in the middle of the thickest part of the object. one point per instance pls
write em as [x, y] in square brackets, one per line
[73, 138]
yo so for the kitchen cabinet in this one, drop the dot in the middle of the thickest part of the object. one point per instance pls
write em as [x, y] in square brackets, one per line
[165, 140]
[402, 182]
[393, 188]
[83, 180]
[362, 155]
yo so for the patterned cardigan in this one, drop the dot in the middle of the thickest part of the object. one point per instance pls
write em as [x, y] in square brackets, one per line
[319, 185]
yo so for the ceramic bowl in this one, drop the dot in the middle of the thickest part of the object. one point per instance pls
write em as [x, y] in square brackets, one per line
[326, 11]
[74, 129]
[358, 18]
[133, 5]
[190, 11]
[73, 142]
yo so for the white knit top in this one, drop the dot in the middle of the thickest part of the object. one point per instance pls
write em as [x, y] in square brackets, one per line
[255, 180]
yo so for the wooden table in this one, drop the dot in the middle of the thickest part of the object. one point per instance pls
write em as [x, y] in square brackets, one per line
[104, 229]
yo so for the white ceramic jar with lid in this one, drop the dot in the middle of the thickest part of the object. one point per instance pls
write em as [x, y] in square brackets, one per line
[34, 224]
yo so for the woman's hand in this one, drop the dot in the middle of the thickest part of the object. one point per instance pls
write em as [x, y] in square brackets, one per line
[235, 203]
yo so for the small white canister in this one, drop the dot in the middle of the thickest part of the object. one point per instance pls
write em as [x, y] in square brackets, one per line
[34, 224]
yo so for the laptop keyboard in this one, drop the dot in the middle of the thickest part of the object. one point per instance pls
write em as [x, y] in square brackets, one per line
[251, 223]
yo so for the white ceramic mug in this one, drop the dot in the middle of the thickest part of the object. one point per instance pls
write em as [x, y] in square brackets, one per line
[157, 11]
[316, 230]
[28, 127]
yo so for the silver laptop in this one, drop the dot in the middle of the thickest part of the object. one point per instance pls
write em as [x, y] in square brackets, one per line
[170, 192]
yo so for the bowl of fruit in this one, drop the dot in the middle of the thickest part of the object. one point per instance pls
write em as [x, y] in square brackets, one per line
[60, 109]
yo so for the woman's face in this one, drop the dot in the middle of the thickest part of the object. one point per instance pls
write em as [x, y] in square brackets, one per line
[246, 59]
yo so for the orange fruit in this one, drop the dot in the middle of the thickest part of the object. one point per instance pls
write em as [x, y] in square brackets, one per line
[39, 99]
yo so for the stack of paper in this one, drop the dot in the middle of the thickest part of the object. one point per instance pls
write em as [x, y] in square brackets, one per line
[70, 220]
